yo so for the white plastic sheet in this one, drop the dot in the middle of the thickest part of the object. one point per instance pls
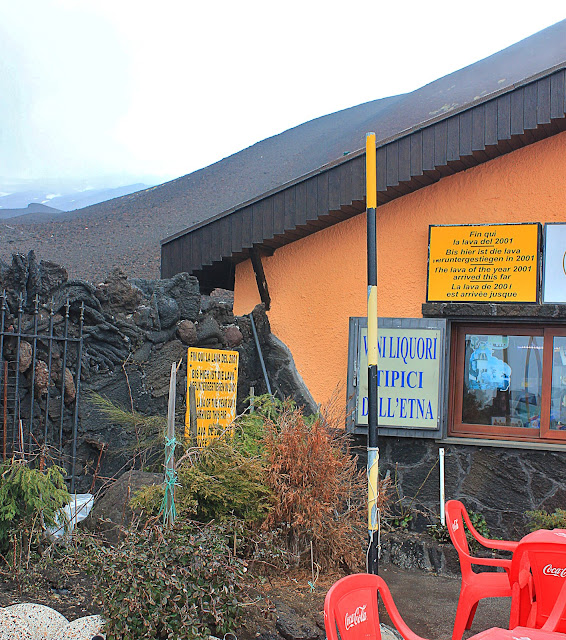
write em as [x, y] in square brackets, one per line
[71, 514]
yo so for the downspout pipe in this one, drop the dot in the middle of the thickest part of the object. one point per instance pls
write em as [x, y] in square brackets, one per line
[254, 331]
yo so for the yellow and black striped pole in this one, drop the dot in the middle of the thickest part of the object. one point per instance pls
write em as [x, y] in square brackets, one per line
[373, 449]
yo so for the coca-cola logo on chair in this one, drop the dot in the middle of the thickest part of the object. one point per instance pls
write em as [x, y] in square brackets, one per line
[359, 615]
[559, 572]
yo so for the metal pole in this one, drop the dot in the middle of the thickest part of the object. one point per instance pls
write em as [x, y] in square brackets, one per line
[373, 448]
[193, 429]
[63, 379]
[254, 331]
[49, 363]
[4, 373]
[442, 494]
[77, 397]
[5, 408]
[2, 325]
[15, 433]
[33, 360]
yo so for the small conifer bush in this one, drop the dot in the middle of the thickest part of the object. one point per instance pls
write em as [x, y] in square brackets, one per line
[30, 500]
[216, 482]
[544, 520]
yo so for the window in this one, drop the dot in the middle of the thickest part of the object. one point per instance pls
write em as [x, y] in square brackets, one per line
[509, 382]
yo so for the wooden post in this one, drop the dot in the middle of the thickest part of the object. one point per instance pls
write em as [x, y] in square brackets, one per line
[21, 439]
[192, 416]
[170, 451]
[252, 399]
[260, 277]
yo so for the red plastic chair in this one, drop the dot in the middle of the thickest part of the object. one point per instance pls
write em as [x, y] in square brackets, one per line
[538, 582]
[555, 621]
[519, 633]
[350, 609]
[475, 586]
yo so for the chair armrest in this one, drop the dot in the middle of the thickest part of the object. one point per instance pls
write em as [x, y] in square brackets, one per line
[492, 562]
[502, 545]
[394, 614]
[493, 632]
[557, 611]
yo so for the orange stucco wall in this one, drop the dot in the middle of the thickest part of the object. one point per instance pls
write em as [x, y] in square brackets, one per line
[318, 282]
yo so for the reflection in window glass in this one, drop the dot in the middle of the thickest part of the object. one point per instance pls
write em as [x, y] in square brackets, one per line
[502, 380]
[558, 392]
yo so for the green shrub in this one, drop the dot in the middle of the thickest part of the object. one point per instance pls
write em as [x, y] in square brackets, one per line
[146, 432]
[183, 583]
[149, 499]
[225, 482]
[249, 428]
[29, 501]
[215, 482]
[289, 472]
[543, 520]
[402, 521]
[479, 524]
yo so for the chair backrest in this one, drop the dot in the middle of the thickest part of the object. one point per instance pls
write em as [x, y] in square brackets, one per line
[540, 557]
[350, 608]
[455, 515]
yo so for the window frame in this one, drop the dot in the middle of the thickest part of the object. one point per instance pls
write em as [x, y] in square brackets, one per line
[457, 428]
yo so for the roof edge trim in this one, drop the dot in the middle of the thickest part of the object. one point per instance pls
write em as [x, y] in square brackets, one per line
[380, 143]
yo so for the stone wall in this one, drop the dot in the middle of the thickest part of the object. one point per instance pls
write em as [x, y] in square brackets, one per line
[133, 331]
[498, 482]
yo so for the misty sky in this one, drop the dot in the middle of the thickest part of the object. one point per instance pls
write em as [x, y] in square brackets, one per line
[160, 89]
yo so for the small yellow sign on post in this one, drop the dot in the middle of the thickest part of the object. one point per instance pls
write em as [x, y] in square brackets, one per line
[483, 263]
[214, 375]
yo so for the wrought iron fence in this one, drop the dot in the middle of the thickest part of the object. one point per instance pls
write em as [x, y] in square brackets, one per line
[40, 379]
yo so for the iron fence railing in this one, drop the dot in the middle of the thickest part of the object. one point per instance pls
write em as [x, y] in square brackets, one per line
[40, 376]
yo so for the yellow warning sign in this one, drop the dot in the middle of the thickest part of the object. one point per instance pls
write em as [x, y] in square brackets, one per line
[483, 263]
[214, 375]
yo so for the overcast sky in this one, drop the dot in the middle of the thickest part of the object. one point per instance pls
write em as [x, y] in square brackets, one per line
[137, 89]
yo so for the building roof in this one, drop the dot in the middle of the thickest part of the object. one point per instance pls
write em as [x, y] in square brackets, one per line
[506, 101]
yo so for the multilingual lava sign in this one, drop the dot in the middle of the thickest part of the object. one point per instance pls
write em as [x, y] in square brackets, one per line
[483, 263]
[214, 375]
